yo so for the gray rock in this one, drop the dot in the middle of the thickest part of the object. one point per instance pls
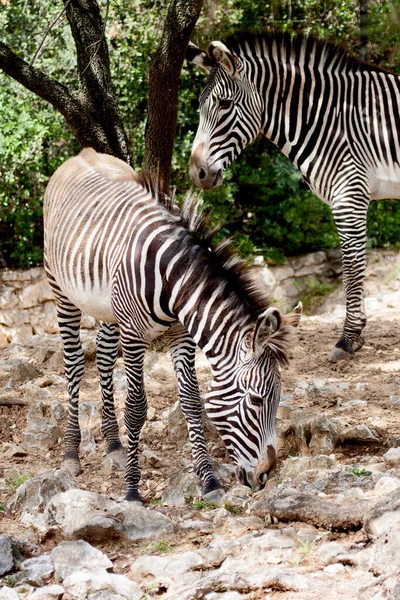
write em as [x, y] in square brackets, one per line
[69, 556]
[41, 433]
[182, 486]
[33, 495]
[392, 457]
[238, 497]
[16, 371]
[384, 516]
[48, 592]
[308, 435]
[331, 552]
[360, 434]
[139, 523]
[101, 584]
[6, 555]
[37, 570]
[7, 593]
[97, 518]
[165, 568]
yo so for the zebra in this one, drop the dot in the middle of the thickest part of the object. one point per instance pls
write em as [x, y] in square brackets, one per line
[140, 266]
[337, 120]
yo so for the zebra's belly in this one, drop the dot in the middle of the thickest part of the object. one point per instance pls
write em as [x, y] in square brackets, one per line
[386, 182]
[94, 301]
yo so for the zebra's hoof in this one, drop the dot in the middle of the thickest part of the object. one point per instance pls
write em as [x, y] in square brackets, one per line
[338, 354]
[358, 343]
[133, 496]
[117, 458]
[71, 466]
[211, 486]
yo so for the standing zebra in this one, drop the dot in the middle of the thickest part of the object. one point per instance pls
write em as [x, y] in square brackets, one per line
[337, 119]
[115, 252]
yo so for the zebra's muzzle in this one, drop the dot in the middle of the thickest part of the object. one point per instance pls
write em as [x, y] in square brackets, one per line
[203, 175]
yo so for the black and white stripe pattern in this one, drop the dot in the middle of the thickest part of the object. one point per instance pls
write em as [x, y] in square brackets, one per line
[335, 118]
[142, 267]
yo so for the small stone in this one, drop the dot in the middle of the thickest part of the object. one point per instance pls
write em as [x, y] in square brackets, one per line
[395, 400]
[6, 555]
[329, 552]
[385, 485]
[392, 457]
[180, 487]
[37, 570]
[360, 433]
[70, 555]
[7, 593]
[334, 569]
[90, 584]
[48, 592]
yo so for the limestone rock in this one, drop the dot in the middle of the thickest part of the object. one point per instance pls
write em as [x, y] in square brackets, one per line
[33, 495]
[6, 555]
[69, 556]
[359, 434]
[308, 436]
[48, 592]
[17, 370]
[165, 568]
[90, 584]
[182, 486]
[41, 433]
[392, 457]
[97, 518]
[37, 570]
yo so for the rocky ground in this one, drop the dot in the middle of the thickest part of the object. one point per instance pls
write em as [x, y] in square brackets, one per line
[327, 525]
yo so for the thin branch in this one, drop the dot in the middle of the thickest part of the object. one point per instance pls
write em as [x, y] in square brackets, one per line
[47, 33]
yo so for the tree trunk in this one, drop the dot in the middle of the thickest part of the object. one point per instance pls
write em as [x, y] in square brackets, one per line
[164, 86]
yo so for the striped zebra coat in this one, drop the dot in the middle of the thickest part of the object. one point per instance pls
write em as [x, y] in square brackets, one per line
[337, 119]
[143, 267]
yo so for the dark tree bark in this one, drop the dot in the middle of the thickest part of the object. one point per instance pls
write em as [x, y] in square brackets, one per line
[92, 115]
[164, 86]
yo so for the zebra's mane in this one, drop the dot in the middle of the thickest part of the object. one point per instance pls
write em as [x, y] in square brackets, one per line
[329, 49]
[222, 259]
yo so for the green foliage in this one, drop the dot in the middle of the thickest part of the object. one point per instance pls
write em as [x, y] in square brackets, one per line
[357, 471]
[157, 547]
[201, 504]
[264, 203]
[313, 294]
[17, 479]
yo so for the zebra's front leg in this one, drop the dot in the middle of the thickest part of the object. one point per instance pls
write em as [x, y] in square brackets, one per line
[133, 348]
[69, 320]
[107, 340]
[351, 222]
[183, 348]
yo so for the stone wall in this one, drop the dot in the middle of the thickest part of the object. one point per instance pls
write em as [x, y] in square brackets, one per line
[27, 306]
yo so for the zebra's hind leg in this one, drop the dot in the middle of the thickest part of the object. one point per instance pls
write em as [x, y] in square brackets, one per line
[106, 355]
[69, 320]
[133, 348]
[351, 220]
[183, 348]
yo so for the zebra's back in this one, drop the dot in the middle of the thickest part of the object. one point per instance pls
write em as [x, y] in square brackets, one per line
[93, 208]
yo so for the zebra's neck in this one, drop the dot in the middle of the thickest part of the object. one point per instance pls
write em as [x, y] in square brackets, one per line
[216, 314]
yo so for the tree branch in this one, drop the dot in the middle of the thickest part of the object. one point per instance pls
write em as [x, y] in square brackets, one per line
[96, 87]
[82, 123]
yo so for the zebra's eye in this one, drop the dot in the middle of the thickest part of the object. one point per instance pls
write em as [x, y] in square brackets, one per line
[255, 399]
[225, 103]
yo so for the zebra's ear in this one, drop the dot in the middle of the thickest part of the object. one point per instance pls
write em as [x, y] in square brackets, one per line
[221, 54]
[267, 324]
[199, 57]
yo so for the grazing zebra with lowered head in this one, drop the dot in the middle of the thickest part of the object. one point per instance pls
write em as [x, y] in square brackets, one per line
[337, 119]
[142, 267]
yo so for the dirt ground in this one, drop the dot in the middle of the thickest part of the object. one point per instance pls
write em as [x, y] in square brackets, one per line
[373, 376]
